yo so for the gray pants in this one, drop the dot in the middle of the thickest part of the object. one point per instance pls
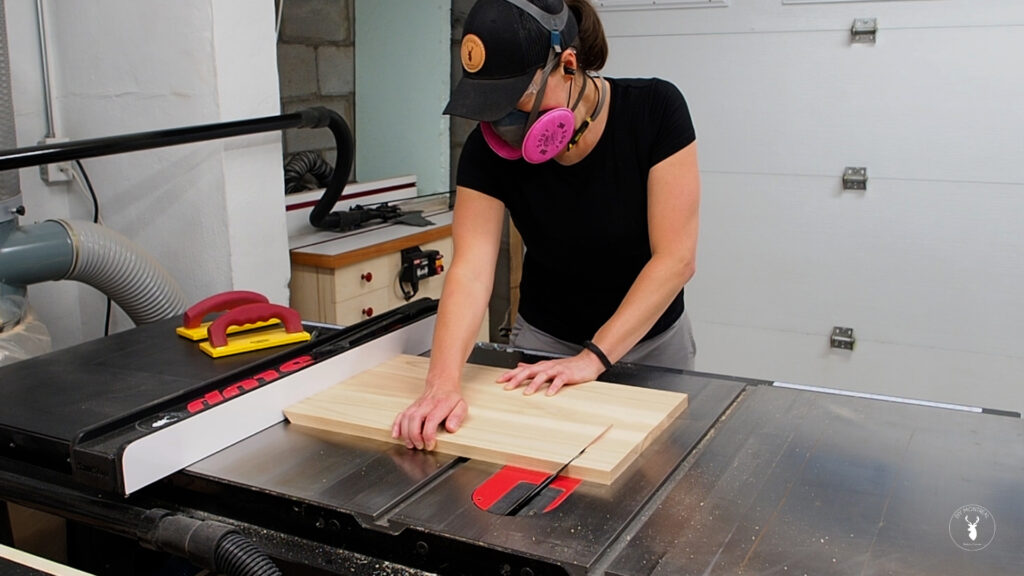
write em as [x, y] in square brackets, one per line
[673, 348]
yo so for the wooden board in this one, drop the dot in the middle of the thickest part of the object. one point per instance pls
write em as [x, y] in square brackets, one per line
[505, 427]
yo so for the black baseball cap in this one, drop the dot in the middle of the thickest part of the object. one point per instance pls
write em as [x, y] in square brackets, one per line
[504, 43]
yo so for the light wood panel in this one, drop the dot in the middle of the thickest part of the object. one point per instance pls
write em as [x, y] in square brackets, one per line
[506, 427]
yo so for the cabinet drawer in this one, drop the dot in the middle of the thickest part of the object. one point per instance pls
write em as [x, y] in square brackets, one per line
[361, 307]
[364, 277]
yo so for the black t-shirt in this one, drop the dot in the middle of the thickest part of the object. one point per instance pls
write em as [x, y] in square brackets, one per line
[585, 225]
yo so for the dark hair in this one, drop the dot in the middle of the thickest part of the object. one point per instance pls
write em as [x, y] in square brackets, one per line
[592, 46]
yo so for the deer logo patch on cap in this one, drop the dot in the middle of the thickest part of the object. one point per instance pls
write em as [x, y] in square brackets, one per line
[473, 53]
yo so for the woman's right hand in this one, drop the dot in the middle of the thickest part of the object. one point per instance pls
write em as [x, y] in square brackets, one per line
[417, 425]
[476, 236]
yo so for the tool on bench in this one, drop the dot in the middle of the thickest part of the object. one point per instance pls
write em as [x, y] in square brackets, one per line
[358, 215]
[250, 315]
[194, 328]
[418, 265]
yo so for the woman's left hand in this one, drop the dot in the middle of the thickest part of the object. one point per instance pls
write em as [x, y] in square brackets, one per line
[583, 367]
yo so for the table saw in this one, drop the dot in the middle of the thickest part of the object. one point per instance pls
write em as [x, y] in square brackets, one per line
[754, 477]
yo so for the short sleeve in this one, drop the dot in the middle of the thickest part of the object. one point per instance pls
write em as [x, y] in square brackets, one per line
[481, 169]
[672, 117]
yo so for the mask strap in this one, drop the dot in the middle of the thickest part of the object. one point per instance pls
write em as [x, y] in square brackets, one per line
[579, 98]
[593, 115]
[540, 91]
[553, 22]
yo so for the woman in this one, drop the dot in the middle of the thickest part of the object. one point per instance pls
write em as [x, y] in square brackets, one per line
[600, 178]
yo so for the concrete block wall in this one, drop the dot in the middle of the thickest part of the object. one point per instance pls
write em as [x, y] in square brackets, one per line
[316, 65]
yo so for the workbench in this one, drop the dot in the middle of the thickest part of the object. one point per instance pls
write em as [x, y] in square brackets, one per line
[754, 477]
[344, 278]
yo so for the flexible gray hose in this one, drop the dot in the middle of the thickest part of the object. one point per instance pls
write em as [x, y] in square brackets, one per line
[109, 262]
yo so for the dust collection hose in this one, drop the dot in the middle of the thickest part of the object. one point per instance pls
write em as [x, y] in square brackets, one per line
[94, 255]
[208, 544]
[205, 543]
[112, 264]
[303, 163]
[321, 215]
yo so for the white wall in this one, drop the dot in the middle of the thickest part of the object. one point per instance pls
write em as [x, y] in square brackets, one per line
[927, 264]
[212, 213]
[403, 52]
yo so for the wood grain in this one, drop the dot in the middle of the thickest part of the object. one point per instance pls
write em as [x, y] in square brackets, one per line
[505, 427]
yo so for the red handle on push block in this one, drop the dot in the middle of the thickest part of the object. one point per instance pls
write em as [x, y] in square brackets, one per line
[250, 314]
[219, 303]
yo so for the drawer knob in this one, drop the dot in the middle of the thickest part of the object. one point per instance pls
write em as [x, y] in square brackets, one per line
[367, 276]
[368, 311]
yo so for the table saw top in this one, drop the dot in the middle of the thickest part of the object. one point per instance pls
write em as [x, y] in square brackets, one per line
[750, 479]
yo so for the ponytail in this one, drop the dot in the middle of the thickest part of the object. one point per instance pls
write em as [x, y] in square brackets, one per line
[592, 46]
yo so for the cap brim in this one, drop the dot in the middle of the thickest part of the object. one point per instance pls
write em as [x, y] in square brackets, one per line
[486, 100]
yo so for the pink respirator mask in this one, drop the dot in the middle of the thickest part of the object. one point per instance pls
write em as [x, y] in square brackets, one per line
[534, 137]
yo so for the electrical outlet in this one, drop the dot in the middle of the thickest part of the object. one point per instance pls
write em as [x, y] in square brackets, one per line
[54, 173]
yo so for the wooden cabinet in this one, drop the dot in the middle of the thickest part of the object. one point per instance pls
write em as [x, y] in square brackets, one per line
[353, 282]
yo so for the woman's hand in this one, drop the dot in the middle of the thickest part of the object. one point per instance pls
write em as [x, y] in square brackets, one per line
[582, 367]
[417, 425]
